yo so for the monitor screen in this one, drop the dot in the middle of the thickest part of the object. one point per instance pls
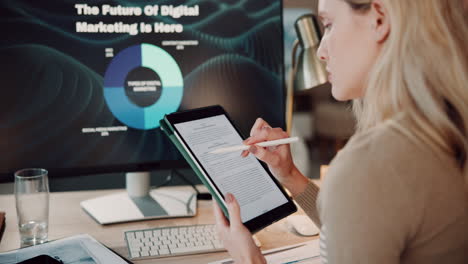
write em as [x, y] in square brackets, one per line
[85, 83]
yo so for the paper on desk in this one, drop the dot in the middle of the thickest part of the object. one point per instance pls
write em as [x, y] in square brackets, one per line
[79, 249]
[302, 253]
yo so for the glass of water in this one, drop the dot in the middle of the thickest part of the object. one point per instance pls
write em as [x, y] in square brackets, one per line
[32, 205]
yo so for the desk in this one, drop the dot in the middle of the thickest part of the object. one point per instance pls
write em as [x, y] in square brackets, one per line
[66, 218]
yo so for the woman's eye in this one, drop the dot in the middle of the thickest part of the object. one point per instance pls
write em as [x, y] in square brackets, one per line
[327, 26]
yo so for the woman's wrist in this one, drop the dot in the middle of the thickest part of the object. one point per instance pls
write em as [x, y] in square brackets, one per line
[296, 183]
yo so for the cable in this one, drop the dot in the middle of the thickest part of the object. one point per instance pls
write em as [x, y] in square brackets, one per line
[166, 181]
[169, 179]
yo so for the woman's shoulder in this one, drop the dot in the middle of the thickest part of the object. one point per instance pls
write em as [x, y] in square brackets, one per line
[371, 181]
[390, 155]
[390, 132]
[388, 144]
[386, 179]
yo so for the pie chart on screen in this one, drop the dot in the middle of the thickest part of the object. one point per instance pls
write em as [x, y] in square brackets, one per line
[142, 84]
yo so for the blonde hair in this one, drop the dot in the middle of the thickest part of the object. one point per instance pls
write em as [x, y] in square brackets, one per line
[422, 71]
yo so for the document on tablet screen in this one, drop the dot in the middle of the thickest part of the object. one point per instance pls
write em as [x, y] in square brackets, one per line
[252, 186]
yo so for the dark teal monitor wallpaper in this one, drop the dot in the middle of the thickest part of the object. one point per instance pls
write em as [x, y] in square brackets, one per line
[85, 83]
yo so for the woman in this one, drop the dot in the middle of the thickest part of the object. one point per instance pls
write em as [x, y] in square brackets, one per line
[397, 192]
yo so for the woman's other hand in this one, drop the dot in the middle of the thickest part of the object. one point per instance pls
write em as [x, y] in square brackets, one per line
[278, 158]
[236, 238]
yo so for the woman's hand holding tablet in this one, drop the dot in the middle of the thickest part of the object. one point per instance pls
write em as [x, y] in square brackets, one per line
[261, 199]
[236, 238]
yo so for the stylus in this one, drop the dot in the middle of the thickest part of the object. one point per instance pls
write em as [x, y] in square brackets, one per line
[270, 143]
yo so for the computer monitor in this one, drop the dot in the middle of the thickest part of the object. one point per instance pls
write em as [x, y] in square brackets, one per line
[85, 83]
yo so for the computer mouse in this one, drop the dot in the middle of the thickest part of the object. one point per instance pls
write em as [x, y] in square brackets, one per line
[302, 225]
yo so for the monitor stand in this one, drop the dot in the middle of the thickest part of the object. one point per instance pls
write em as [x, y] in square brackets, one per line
[138, 202]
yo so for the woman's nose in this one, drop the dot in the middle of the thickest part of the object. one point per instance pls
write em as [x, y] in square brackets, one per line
[321, 52]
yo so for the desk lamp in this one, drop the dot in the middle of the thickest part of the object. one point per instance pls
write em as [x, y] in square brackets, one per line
[307, 71]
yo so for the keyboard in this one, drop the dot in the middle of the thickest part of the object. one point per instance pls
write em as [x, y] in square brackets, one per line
[172, 241]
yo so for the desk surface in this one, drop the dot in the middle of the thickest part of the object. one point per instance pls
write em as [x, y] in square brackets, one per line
[66, 218]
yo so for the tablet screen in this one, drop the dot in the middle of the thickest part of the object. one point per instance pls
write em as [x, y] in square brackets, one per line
[246, 178]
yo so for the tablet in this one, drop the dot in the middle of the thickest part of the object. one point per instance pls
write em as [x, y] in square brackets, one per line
[262, 199]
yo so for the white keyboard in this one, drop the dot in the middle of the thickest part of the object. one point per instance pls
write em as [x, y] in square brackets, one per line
[172, 241]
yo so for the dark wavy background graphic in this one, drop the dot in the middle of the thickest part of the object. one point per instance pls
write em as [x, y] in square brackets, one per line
[51, 78]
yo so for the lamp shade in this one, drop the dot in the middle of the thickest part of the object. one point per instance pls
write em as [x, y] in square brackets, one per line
[310, 71]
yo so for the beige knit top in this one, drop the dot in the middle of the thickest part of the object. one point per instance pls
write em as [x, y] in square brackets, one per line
[388, 198]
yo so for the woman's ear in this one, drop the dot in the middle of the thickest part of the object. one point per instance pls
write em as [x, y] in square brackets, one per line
[380, 21]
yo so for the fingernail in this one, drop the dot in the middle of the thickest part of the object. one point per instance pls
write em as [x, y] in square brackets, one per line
[228, 198]
[253, 149]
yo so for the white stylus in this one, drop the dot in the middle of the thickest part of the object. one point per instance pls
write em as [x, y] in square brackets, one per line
[270, 143]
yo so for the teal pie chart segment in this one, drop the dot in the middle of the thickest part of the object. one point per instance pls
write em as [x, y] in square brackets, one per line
[162, 63]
